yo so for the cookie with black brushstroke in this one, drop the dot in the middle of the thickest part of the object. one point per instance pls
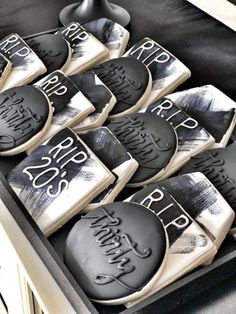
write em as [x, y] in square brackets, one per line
[218, 165]
[192, 137]
[128, 261]
[151, 140]
[26, 65]
[202, 201]
[25, 115]
[98, 94]
[129, 80]
[58, 179]
[189, 245]
[167, 71]
[115, 157]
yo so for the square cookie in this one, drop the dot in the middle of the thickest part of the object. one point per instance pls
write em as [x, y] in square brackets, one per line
[215, 111]
[26, 65]
[167, 71]
[87, 50]
[58, 179]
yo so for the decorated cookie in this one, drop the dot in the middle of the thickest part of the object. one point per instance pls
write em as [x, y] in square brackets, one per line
[218, 165]
[26, 65]
[167, 71]
[71, 106]
[114, 36]
[129, 80]
[87, 50]
[113, 256]
[5, 69]
[192, 137]
[53, 50]
[25, 116]
[151, 140]
[202, 201]
[98, 94]
[189, 245]
[215, 111]
[59, 179]
[115, 157]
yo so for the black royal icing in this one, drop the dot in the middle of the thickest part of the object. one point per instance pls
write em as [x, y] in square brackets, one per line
[127, 78]
[125, 260]
[23, 113]
[52, 49]
[149, 139]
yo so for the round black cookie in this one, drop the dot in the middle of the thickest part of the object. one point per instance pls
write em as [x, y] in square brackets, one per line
[128, 79]
[115, 250]
[24, 111]
[151, 140]
[218, 165]
[52, 49]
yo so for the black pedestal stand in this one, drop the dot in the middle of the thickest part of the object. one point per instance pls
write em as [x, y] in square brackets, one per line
[89, 10]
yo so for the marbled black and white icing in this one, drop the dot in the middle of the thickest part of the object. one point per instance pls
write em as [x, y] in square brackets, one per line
[150, 139]
[218, 165]
[24, 112]
[202, 201]
[211, 108]
[52, 49]
[26, 65]
[98, 94]
[126, 258]
[167, 71]
[111, 34]
[115, 157]
[192, 137]
[87, 50]
[127, 78]
[56, 177]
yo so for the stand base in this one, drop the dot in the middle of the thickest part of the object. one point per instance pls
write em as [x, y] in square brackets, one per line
[75, 13]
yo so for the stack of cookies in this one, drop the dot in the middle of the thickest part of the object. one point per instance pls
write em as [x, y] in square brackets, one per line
[95, 122]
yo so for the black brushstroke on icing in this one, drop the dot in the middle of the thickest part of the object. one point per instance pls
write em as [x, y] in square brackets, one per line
[218, 165]
[102, 29]
[52, 49]
[59, 89]
[3, 65]
[97, 94]
[43, 160]
[127, 78]
[23, 113]
[150, 140]
[125, 259]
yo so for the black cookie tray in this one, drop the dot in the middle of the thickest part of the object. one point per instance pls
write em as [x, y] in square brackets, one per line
[50, 252]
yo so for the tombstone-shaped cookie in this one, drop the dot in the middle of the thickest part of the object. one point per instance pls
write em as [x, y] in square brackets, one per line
[26, 65]
[87, 50]
[53, 50]
[192, 137]
[129, 80]
[71, 106]
[189, 245]
[115, 157]
[5, 69]
[59, 179]
[114, 36]
[151, 140]
[215, 111]
[117, 252]
[25, 116]
[203, 202]
[218, 165]
[167, 71]
[99, 95]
